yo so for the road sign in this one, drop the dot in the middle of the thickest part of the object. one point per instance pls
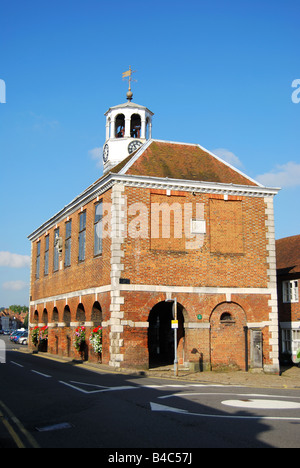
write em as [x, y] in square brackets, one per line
[174, 323]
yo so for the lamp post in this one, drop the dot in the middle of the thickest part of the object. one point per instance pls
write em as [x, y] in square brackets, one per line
[175, 327]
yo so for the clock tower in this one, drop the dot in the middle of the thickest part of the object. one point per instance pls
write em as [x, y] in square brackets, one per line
[128, 126]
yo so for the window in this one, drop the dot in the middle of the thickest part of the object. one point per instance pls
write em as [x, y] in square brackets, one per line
[68, 244]
[226, 317]
[98, 229]
[135, 126]
[120, 126]
[55, 251]
[82, 226]
[290, 291]
[46, 267]
[38, 260]
[290, 341]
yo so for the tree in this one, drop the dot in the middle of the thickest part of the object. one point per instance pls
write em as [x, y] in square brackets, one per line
[17, 309]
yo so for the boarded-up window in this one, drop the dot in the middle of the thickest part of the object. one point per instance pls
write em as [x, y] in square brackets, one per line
[167, 223]
[226, 227]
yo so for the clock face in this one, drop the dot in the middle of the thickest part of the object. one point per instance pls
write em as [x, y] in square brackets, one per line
[105, 152]
[134, 145]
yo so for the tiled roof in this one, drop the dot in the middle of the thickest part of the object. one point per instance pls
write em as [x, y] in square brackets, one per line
[288, 254]
[182, 161]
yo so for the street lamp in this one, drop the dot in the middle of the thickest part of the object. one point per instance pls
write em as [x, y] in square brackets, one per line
[175, 327]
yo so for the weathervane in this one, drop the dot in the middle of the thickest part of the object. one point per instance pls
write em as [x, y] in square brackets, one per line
[128, 76]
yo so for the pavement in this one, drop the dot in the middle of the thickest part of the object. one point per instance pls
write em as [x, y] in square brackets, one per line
[289, 377]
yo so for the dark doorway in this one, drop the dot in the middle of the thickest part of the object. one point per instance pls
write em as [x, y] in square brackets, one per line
[161, 334]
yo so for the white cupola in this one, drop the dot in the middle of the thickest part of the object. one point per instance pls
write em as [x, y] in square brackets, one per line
[128, 126]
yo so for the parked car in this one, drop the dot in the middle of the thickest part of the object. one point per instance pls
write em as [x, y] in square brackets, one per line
[16, 334]
[23, 339]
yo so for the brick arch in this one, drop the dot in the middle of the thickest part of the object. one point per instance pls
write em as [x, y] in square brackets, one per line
[161, 335]
[227, 336]
[35, 317]
[45, 316]
[55, 315]
[96, 314]
[80, 313]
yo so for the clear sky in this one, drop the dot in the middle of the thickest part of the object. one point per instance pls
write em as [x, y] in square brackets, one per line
[214, 72]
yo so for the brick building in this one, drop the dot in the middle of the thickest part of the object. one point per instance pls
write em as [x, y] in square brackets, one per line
[166, 221]
[288, 279]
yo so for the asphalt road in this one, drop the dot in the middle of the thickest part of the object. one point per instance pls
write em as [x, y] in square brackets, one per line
[50, 404]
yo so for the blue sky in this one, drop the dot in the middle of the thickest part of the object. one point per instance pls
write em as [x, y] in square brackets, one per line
[218, 73]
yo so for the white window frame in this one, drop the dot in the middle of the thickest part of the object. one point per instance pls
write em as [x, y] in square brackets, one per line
[290, 340]
[290, 291]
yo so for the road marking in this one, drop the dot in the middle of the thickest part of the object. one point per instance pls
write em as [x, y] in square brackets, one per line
[261, 404]
[179, 395]
[54, 427]
[11, 432]
[101, 389]
[20, 426]
[40, 373]
[163, 408]
[16, 364]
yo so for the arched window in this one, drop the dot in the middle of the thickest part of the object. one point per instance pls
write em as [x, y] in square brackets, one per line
[135, 126]
[226, 317]
[120, 126]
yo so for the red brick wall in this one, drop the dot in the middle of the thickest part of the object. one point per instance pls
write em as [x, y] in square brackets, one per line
[165, 262]
[200, 267]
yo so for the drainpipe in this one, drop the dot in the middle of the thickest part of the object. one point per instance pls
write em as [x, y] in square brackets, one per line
[246, 349]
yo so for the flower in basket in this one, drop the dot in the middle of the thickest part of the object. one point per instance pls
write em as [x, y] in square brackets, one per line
[35, 335]
[79, 338]
[44, 333]
[96, 340]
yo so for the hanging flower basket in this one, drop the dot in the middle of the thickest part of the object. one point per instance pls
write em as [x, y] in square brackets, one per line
[96, 340]
[35, 333]
[79, 338]
[44, 333]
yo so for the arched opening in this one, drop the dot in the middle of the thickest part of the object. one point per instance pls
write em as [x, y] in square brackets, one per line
[97, 314]
[45, 317]
[80, 314]
[36, 317]
[135, 126]
[161, 334]
[67, 316]
[226, 317]
[55, 315]
[120, 126]
[147, 128]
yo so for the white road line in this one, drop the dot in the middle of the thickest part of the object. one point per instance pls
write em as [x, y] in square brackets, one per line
[16, 364]
[101, 390]
[179, 395]
[163, 408]
[40, 373]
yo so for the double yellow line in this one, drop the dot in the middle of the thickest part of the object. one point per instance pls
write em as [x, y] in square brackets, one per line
[9, 420]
